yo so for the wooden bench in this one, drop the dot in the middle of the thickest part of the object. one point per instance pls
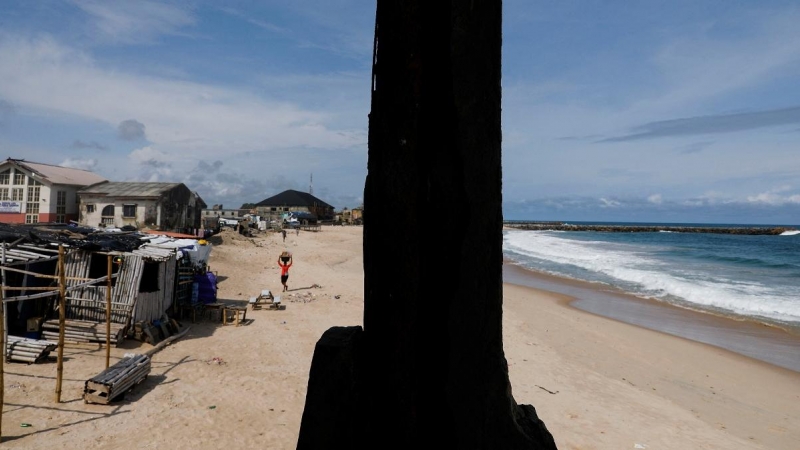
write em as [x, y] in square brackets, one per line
[266, 299]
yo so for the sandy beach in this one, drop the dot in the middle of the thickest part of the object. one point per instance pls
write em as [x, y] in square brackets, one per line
[597, 383]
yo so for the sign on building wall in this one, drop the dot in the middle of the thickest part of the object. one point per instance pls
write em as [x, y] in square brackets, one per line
[10, 207]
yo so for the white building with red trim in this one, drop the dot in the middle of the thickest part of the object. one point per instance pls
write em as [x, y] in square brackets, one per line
[34, 192]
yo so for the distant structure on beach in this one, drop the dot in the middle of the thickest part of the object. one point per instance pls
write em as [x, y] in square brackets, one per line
[162, 206]
[217, 216]
[277, 206]
[33, 192]
[350, 216]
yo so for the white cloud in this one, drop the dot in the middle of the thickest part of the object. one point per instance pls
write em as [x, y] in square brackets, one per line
[182, 116]
[708, 63]
[134, 21]
[149, 155]
[79, 163]
[774, 197]
[608, 203]
[154, 164]
[655, 198]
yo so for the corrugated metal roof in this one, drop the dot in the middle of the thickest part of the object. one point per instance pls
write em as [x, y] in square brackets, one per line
[129, 189]
[155, 253]
[61, 175]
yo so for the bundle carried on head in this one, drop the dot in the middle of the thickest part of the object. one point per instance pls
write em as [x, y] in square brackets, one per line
[286, 256]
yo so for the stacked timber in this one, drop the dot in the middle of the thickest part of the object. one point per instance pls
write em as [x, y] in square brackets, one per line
[83, 332]
[28, 350]
[117, 379]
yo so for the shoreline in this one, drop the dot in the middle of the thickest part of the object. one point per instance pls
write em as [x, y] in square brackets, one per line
[597, 383]
[750, 338]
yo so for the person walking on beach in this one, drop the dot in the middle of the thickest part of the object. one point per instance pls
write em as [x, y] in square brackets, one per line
[284, 262]
[284, 235]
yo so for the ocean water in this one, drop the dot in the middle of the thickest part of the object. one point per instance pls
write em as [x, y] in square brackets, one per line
[755, 277]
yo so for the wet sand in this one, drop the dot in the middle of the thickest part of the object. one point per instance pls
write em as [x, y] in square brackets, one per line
[771, 344]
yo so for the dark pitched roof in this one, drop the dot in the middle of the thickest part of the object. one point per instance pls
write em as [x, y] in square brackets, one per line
[293, 198]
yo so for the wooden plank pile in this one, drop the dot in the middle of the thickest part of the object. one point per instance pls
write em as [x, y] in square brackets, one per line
[117, 379]
[155, 332]
[28, 350]
[83, 332]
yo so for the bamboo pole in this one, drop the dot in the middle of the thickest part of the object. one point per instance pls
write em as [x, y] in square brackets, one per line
[41, 275]
[61, 319]
[23, 288]
[52, 290]
[3, 334]
[108, 314]
[5, 305]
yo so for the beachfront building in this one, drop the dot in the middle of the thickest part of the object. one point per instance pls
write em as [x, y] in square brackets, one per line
[219, 211]
[160, 206]
[33, 192]
[350, 216]
[216, 216]
[279, 206]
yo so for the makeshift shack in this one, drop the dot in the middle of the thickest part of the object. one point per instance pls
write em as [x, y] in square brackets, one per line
[145, 279]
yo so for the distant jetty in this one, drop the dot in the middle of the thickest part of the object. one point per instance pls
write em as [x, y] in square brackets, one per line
[561, 226]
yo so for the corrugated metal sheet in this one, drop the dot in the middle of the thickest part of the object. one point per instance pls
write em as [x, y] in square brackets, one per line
[129, 189]
[62, 175]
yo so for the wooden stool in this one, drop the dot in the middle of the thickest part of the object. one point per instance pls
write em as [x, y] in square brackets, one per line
[190, 309]
[216, 309]
[237, 311]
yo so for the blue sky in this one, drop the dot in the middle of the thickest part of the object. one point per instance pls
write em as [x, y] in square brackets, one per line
[677, 111]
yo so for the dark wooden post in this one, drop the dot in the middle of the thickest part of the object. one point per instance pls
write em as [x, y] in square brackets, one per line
[62, 305]
[108, 314]
[428, 370]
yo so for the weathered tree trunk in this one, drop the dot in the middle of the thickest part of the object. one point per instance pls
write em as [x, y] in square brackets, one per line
[428, 371]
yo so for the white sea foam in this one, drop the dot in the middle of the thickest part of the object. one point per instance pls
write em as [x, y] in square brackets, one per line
[790, 233]
[631, 269]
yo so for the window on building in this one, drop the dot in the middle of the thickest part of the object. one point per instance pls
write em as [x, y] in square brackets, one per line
[4, 194]
[129, 210]
[16, 194]
[90, 208]
[19, 178]
[31, 218]
[33, 193]
[107, 216]
[5, 176]
[61, 206]
[32, 182]
[32, 205]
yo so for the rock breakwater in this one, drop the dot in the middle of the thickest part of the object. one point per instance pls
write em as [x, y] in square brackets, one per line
[560, 226]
